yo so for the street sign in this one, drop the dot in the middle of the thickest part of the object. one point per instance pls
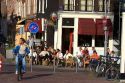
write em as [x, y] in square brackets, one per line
[33, 27]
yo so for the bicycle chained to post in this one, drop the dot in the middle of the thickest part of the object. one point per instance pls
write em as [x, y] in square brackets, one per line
[109, 69]
[20, 51]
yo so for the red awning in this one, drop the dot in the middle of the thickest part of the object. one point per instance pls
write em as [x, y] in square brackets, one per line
[100, 27]
[36, 21]
[86, 26]
[26, 26]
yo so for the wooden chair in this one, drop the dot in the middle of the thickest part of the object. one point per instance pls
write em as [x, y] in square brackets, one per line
[69, 62]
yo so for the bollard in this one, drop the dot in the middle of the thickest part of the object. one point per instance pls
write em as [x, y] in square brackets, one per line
[54, 68]
[76, 66]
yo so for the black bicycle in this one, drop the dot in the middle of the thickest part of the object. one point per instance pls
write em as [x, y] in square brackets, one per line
[20, 73]
[113, 70]
[101, 67]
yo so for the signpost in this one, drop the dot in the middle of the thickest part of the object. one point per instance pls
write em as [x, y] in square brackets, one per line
[33, 28]
[54, 18]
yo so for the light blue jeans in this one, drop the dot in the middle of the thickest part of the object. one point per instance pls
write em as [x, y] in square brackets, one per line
[23, 62]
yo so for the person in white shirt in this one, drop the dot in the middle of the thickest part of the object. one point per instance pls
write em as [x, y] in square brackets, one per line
[44, 54]
[80, 52]
[68, 59]
[91, 51]
[67, 55]
[79, 56]
[33, 57]
[21, 51]
[30, 41]
[60, 57]
[59, 54]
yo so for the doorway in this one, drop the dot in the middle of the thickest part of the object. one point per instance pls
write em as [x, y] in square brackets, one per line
[67, 39]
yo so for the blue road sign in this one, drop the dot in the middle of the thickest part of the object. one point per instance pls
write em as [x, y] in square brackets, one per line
[33, 27]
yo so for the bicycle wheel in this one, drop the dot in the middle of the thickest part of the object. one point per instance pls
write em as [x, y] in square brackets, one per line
[108, 74]
[101, 70]
[115, 74]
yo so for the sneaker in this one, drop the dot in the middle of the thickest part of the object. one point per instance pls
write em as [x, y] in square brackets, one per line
[16, 72]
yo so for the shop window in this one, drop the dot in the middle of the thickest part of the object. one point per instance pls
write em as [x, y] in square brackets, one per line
[85, 40]
[99, 41]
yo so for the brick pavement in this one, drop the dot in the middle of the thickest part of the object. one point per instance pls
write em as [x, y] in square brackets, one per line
[45, 75]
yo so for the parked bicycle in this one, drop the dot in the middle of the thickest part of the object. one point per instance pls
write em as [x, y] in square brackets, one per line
[113, 69]
[101, 67]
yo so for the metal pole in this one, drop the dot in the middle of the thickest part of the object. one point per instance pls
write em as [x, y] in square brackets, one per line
[105, 29]
[54, 68]
[56, 33]
[76, 66]
[45, 26]
[31, 68]
[119, 24]
[32, 53]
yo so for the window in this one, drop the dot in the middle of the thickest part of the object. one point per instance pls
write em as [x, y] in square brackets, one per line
[85, 40]
[108, 6]
[99, 41]
[69, 4]
[101, 5]
[66, 5]
[86, 5]
[89, 5]
[83, 5]
[68, 22]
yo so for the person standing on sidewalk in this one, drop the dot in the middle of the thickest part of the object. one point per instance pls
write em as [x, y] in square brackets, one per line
[30, 41]
[21, 50]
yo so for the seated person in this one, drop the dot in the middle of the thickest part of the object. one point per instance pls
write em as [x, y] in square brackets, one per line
[68, 58]
[60, 57]
[94, 59]
[80, 56]
[67, 55]
[33, 56]
[44, 54]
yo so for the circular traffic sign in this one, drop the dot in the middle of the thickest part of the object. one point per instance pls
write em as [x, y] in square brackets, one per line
[33, 27]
